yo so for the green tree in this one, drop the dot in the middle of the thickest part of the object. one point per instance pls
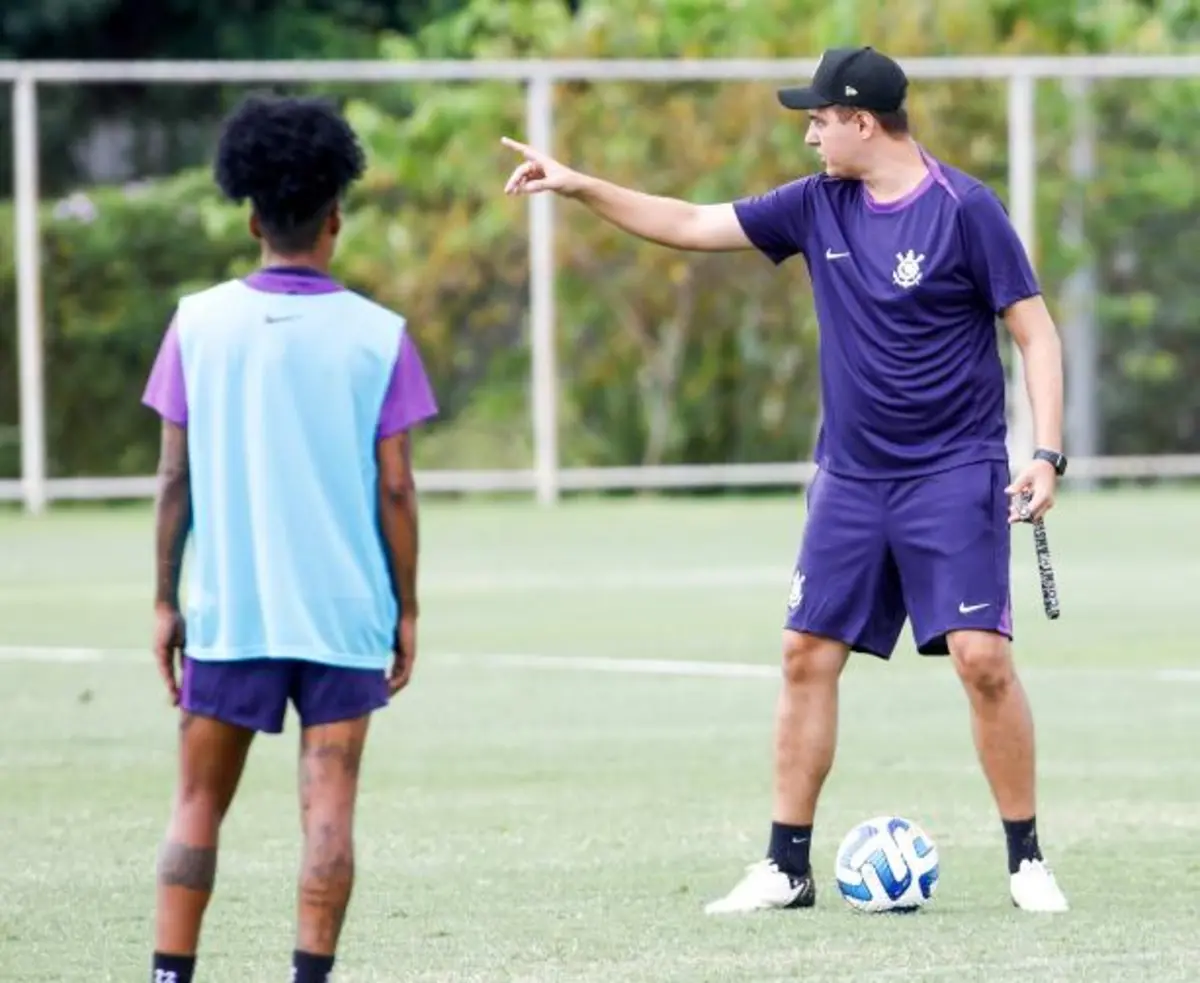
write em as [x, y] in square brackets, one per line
[87, 30]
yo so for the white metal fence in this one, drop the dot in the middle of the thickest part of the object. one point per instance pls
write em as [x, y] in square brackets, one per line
[546, 479]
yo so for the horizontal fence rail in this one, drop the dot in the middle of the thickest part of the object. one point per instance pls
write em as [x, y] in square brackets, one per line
[564, 70]
[635, 478]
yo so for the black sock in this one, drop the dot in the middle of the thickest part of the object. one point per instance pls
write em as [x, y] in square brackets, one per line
[789, 848]
[307, 968]
[172, 969]
[1022, 842]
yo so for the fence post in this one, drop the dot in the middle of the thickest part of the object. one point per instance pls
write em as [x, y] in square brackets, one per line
[1079, 327]
[31, 376]
[543, 361]
[1022, 192]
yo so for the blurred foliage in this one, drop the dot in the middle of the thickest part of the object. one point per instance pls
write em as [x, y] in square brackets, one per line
[664, 356]
[89, 30]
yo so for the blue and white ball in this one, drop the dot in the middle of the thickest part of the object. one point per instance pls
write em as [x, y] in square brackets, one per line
[887, 864]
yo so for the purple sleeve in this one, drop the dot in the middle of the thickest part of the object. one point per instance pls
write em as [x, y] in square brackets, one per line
[996, 257]
[409, 398]
[165, 390]
[777, 222]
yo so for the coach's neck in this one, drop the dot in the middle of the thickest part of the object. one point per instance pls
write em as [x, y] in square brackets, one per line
[894, 168]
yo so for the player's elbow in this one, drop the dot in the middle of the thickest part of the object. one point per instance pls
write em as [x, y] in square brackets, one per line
[174, 480]
[397, 487]
[396, 484]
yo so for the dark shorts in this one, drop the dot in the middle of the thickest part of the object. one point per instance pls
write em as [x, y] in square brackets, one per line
[934, 549]
[255, 693]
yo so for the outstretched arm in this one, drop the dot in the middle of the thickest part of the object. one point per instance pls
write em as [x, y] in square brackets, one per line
[667, 221]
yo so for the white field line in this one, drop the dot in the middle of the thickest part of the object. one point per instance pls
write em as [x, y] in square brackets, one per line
[44, 654]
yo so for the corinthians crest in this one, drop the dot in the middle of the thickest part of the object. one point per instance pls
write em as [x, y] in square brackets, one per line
[908, 269]
[796, 594]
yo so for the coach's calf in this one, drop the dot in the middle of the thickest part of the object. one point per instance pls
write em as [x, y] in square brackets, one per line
[1001, 721]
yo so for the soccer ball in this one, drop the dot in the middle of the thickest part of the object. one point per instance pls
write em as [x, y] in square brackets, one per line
[887, 864]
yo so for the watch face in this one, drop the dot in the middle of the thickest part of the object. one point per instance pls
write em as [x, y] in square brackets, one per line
[1058, 460]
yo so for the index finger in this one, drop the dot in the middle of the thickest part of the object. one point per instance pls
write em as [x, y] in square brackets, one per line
[520, 148]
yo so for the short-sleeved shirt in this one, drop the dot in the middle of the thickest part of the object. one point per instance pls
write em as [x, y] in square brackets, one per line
[907, 295]
[285, 382]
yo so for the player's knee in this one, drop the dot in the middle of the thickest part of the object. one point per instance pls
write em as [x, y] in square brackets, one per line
[983, 661]
[202, 799]
[810, 660]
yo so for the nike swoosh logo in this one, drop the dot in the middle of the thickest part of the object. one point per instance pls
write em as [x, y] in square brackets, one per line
[830, 254]
[967, 609]
[284, 317]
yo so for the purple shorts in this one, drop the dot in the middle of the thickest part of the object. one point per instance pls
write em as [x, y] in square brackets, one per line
[255, 693]
[934, 549]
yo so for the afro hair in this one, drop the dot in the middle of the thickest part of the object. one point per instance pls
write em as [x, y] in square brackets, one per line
[293, 158]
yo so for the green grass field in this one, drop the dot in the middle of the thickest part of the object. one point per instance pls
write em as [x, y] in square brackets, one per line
[548, 803]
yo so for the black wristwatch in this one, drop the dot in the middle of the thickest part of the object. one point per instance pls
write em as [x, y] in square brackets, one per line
[1054, 457]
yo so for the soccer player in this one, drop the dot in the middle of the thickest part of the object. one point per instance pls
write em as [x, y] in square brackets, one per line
[909, 514]
[287, 403]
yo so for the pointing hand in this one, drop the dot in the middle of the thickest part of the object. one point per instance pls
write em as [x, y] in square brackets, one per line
[540, 172]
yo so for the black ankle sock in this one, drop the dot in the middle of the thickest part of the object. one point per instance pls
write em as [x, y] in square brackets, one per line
[789, 848]
[307, 968]
[172, 969]
[1022, 842]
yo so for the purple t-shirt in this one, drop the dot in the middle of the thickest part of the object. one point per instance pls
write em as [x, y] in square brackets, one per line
[907, 296]
[408, 400]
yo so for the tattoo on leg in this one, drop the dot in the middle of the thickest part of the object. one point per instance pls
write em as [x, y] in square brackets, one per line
[325, 886]
[326, 762]
[191, 867]
[328, 780]
[345, 757]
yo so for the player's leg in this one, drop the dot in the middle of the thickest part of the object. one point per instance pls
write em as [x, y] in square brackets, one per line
[335, 707]
[952, 542]
[222, 707]
[845, 595]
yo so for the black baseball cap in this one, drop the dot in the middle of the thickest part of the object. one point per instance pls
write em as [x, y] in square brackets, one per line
[860, 77]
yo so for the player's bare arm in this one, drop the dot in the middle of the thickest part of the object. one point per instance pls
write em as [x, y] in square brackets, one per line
[173, 520]
[666, 221]
[398, 520]
[1033, 329]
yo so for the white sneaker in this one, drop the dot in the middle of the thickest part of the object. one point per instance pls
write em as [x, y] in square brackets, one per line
[1034, 888]
[763, 887]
